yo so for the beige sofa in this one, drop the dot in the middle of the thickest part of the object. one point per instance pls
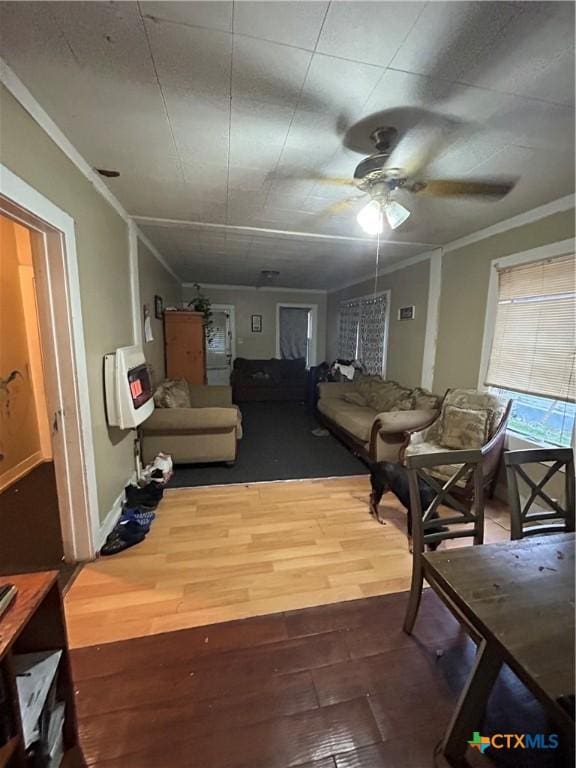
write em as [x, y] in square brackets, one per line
[193, 423]
[375, 417]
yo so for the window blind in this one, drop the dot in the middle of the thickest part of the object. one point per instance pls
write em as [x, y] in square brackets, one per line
[534, 344]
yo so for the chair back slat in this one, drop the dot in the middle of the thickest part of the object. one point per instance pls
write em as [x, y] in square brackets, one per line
[523, 514]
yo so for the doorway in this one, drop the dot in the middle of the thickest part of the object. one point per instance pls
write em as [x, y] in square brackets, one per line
[296, 332]
[220, 345]
[30, 531]
[65, 429]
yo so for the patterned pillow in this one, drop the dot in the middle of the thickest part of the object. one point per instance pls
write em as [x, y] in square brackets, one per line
[404, 404]
[172, 393]
[355, 397]
[464, 429]
[384, 398]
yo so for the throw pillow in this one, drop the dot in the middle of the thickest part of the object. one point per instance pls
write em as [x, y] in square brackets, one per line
[403, 404]
[367, 384]
[355, 397]
[386, 397]
[464, 429]
[172, 393]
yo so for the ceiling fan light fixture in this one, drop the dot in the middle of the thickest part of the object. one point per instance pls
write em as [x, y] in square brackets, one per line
[396, 214]
[371, 218]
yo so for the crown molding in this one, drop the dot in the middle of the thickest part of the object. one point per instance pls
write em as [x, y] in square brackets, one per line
[396, 267]
[161, 222]
[267, 288]
[16, 87]
[541, 212]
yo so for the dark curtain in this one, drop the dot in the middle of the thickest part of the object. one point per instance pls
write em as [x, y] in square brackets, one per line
[293, 333]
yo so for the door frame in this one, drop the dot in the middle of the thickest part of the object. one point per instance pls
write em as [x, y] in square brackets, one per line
[232, 309]
[62, 333]
[313, 351]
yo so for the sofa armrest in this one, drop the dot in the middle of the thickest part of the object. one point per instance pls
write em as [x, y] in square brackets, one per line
[335, 388]
[187, 420]
[393, 422]
[210, 396]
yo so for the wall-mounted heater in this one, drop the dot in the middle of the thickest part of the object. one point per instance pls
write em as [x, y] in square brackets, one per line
[128, 388]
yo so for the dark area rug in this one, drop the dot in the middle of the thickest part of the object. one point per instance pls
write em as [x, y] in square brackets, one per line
[338, 686]
[278, 444]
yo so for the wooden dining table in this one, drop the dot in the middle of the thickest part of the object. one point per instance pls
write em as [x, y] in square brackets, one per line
[517, 597]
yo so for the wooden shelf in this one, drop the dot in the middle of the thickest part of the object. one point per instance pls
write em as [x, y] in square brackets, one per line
[35, 622]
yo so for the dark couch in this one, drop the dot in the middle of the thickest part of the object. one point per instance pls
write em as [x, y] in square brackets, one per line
[268, 379]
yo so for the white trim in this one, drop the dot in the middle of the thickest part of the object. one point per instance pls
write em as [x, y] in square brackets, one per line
[548, 251]
[556, 206]
[268, 288]
[313, 351]
[20, 470]
[385, 271]
[161, 222]
[16, 87]
[134, 284]
[432, 319]
[79, 508]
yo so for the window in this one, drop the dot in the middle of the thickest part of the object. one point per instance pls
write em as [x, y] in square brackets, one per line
[363, 331]
[532, 360]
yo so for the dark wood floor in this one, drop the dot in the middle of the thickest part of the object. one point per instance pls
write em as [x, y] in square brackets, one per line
[338, 686]
[30, 532]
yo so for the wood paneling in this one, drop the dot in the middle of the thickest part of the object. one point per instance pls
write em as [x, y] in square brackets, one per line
[228, 552]
[185, 346]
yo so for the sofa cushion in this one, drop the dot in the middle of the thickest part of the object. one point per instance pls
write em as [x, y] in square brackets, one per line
[425, 400]
[172, 393]
[355, 419]
[190, 420]
[464, 428]
[355, 397]
[442, 472]
[366, 384]
[385, 397]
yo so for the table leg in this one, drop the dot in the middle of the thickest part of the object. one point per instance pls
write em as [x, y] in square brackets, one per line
[471, 706]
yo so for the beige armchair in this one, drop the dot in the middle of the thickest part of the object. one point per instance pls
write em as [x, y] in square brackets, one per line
[467, 420]
[193, 423]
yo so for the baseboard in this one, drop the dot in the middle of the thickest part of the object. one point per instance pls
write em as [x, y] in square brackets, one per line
[107, 525]
[17, 472]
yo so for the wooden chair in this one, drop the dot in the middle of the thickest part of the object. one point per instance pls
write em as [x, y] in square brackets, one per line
[467, 520]
[526, 518]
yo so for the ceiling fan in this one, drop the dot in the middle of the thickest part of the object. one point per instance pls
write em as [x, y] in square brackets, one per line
[374, 176]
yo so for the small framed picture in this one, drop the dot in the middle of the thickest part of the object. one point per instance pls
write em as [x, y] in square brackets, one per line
[256, 323]
[407, 313]
[158, 307]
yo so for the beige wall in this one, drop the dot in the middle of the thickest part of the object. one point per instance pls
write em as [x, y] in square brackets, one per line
[408, 286]
[155, 280]
[465, 277]
[248, 302]
[103, 264]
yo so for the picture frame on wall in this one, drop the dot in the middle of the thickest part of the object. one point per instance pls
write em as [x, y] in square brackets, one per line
[256, 323]
[158, 307]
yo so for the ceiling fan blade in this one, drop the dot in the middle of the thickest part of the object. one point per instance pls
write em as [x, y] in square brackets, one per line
[450, 188]
[336, 181]
[304, 176]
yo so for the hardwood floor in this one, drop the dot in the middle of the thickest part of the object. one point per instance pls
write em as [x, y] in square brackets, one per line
[337, 686]
[221, 553]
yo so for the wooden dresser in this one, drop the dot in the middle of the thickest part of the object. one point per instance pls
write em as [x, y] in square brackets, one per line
[185, 346]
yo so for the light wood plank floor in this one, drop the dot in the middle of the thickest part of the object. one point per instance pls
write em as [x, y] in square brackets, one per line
[228, 552]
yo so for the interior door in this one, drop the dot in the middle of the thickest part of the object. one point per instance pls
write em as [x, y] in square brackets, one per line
[219, 348]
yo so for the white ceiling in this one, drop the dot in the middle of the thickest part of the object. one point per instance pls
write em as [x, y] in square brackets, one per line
[228, 113]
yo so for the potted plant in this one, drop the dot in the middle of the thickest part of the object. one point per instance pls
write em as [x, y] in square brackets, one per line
[201, 303]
